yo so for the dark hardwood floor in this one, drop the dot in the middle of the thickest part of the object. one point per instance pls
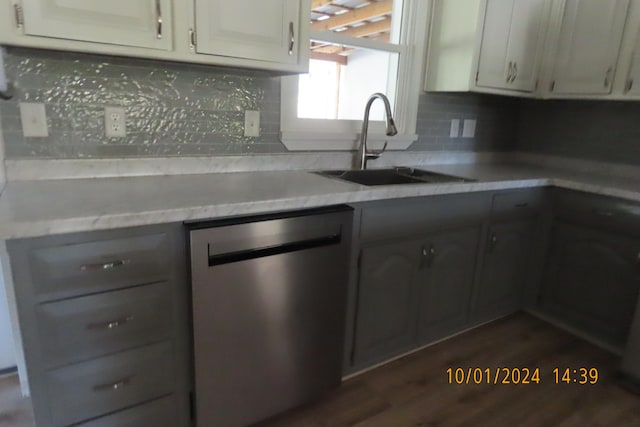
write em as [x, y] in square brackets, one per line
[414, 390]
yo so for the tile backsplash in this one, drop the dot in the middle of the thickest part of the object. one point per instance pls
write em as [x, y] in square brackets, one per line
[594, 130]
[193, 110]
[171, 109]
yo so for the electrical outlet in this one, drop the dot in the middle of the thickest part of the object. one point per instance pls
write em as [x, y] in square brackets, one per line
[454, 131]
[469, 129]
[115, 124]
[251, 123]
[34, 120]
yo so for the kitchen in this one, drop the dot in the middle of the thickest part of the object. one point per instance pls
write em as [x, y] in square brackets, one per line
[114, 139]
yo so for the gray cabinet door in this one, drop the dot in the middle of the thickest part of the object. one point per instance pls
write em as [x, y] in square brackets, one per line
[503, 270]
[592, 281]
[385, 319]
[446, 282]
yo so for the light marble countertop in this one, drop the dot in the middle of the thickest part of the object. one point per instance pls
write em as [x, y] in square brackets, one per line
[39, 208]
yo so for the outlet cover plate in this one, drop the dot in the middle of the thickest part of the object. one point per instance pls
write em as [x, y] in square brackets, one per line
[34, 120]
[469, 128]
[251, 123]
[115, 122]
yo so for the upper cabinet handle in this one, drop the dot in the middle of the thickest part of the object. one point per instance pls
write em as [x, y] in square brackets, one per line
[515, 72]
[607, 77]
[510, 72]
[158, 20]
[629, 86]
[292, 38]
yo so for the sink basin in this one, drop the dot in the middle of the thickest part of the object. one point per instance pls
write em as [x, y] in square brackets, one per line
[398, 175]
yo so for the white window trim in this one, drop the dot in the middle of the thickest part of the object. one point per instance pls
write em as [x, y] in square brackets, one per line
[342, 135]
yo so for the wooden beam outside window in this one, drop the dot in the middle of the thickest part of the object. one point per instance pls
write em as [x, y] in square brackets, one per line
[381, 26]
[332, 57]
[373, 10]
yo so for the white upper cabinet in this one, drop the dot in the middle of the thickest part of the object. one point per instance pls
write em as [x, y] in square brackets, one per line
[265, 30]
[264, 34]
[512, 36]
[141, 23]
[588, 44]
[490, 46]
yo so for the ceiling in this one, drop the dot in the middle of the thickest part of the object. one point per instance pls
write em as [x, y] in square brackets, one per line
[356, 18]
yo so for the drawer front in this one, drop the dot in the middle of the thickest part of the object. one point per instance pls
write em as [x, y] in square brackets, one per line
[159, 413]
[605, 212]
[90, 389]
[76, 269]
[81, 328]
[515, 205]
[409, 217]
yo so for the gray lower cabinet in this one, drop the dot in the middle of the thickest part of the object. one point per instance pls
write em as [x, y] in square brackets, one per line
[385, 322]
[504, 270]
[104, 324]
[592, 281]
[445, 282]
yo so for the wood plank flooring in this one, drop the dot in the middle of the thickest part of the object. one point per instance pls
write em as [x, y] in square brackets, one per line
[414, 390]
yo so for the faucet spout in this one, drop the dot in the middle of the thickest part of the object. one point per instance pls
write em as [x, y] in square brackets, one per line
[363, 153]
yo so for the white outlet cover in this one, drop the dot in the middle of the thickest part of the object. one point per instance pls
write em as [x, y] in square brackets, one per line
[251, 123]
[33, 116]
[469, 129]
[115, 122]
[454, 132]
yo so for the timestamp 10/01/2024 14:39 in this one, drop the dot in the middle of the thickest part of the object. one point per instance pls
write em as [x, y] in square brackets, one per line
[471, 375]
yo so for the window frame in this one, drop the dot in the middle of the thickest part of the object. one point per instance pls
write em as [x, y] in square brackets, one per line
[300, 134]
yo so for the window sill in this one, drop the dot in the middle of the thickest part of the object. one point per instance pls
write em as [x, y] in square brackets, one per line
[306, 141]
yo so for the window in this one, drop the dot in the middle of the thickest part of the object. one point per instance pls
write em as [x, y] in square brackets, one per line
[358, 47]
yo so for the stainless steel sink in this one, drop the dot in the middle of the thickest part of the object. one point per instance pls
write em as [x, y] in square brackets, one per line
[397, 175]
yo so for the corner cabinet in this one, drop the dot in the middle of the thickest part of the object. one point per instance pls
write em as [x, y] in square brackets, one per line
[491, 46]
[270, 34]
[587, 46]
[268, 30]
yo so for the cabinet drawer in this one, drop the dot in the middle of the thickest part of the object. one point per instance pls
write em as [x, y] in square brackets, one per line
[75, 269]
[159, 413]
[85, 327]
[603, 212]
[90, 389]
[518, 204]
[409, 217]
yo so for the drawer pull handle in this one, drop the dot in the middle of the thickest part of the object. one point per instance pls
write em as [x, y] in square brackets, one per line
[521, 205]
[493, 242]
[117, 385]
[432, 255]
[105, 266]
[112, 324]
[604, 213]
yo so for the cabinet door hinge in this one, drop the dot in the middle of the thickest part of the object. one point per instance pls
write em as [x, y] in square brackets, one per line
[192, 39]
[19, 15]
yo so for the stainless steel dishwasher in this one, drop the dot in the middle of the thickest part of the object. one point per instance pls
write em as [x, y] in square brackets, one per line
[269, 298]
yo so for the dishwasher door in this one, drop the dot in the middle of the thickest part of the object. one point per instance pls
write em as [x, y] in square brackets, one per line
[269, 302]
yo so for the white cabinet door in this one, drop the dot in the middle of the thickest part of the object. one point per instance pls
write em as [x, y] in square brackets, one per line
[140, 23]
[493, 70]
[512, 35]
[525, 42]
[265, 30]
[588, 46]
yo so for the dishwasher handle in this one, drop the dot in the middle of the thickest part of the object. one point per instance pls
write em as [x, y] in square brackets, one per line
[284, 248]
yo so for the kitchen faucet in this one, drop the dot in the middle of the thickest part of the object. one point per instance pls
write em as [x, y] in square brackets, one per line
[363, 153]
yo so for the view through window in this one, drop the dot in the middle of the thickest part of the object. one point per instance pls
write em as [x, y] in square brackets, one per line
[353, 54]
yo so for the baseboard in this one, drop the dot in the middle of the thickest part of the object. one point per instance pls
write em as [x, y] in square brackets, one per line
[415, 350]
[575, 331]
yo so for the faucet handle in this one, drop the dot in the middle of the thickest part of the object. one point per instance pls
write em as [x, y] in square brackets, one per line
[373, 154]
